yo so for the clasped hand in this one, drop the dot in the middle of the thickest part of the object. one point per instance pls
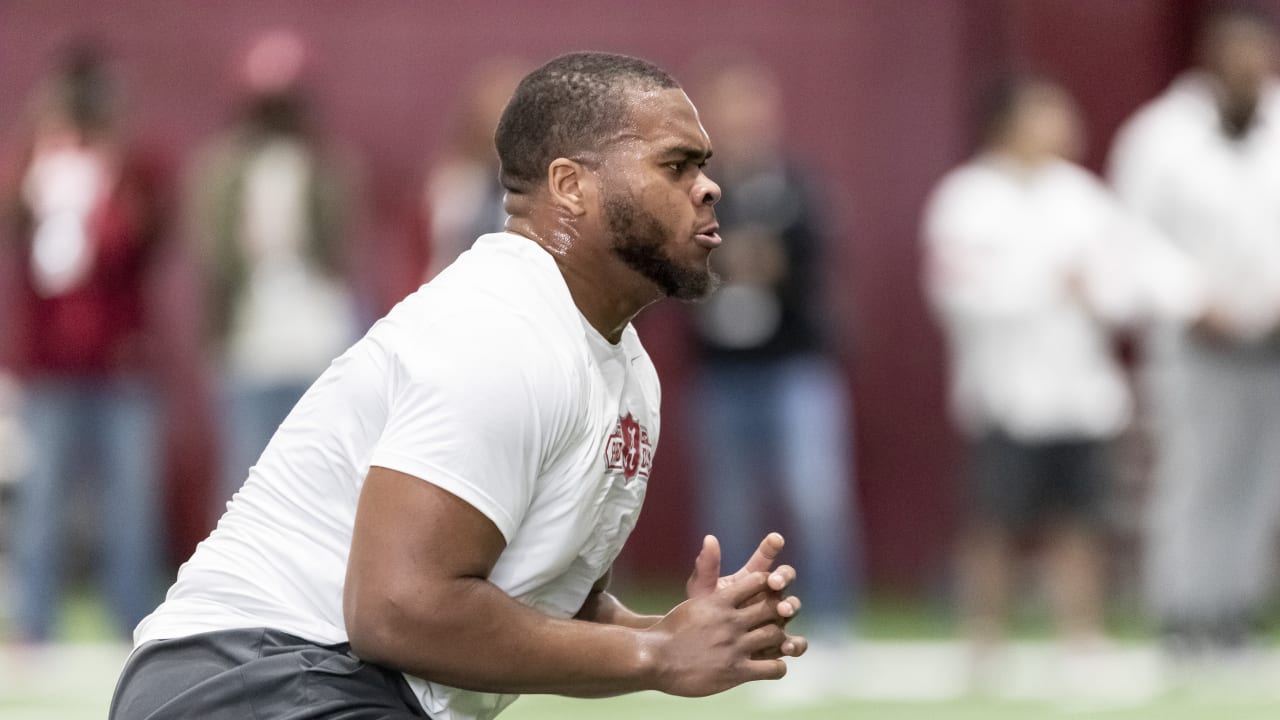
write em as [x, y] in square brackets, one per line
[732, 629]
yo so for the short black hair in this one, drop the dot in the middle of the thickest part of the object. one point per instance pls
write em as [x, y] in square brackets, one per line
[82, 89]
[1249, 11]
[1227, 15]
[566, 108]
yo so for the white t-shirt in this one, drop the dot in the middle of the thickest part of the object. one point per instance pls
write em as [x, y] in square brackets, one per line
[1025, 268]
[487, 382]
[1213, 197]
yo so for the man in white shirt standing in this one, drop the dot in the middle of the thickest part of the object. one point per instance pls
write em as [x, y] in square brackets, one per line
[431, 530]
[1202, 161]
[1029, 263]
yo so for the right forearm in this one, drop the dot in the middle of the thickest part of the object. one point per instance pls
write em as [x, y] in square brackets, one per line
[470, 634]
[476, 637]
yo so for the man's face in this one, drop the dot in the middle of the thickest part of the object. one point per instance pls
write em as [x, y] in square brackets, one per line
[658, 204]
[1047, 123]
[1242, 54]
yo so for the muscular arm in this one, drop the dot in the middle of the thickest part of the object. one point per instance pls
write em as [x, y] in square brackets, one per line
[417, 599]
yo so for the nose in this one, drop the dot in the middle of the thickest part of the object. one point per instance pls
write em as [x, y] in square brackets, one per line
[706, 191]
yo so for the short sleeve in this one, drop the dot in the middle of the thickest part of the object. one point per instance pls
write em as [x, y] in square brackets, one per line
[469, 415]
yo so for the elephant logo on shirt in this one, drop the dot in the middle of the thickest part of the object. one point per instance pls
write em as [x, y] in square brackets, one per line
[629, 450]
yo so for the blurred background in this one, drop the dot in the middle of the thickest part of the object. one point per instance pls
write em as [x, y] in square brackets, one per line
[336, 155]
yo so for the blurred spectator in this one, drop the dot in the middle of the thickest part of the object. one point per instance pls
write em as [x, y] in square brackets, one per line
[13, 440]
[462, 198]
[271, 207]
[1029, 262]
[1202, 161]
[86, 216]
[772, 403]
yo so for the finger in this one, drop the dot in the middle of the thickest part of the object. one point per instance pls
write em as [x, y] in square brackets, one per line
[794, 646]
[791, 646]
[762, 559]
[782, 577]
[789, 608]
[764, 637]
[769, 653]
[706, 568]
[740, 589]
[764, 612]
[764, 669]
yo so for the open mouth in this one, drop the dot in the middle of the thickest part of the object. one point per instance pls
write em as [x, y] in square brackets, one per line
[709, 237]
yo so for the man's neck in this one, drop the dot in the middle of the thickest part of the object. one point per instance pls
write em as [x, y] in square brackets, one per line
[608, 294]
[1021, 160]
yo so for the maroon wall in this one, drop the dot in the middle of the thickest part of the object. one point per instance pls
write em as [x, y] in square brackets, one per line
[880, 96]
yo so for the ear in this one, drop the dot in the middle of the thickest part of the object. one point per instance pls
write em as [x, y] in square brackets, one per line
[571, 185]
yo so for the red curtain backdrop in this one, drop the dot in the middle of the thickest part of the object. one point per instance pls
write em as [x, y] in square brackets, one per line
[880, 96]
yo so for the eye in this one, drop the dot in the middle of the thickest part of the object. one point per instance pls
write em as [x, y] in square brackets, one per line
[681, 167]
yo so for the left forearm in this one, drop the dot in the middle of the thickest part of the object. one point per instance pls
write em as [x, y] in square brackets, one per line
[602, 607]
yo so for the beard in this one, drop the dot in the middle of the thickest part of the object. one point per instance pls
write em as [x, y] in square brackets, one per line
[639, 239]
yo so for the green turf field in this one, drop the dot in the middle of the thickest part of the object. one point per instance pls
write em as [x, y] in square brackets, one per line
[906, 669]
[738, 706]
[85, 698]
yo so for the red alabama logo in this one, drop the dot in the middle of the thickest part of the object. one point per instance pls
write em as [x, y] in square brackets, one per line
[629, 449]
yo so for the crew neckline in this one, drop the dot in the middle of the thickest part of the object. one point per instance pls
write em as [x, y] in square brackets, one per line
[549, 264]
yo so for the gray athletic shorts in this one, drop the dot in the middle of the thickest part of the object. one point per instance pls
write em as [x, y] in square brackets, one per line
[257, 674]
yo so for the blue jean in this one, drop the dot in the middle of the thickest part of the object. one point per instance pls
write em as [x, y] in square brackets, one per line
[251, 414]
[106, 431]
[783, 431]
